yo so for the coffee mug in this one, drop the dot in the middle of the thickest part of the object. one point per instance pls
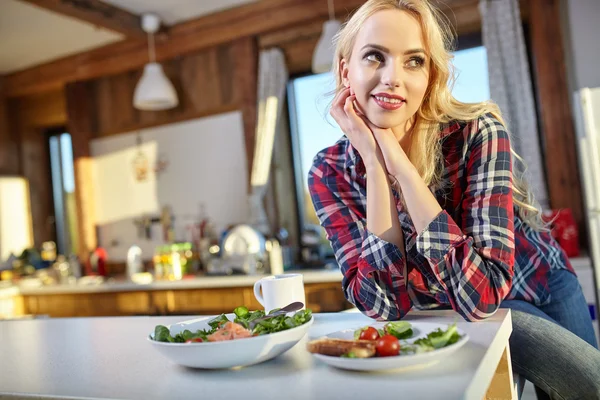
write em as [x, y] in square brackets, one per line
[279, 290]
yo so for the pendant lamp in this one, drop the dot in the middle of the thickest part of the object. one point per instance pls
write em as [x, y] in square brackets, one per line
[323, 54]
[154, 91]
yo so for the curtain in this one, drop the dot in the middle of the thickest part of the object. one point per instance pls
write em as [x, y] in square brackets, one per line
[510, 85]
[272, 81]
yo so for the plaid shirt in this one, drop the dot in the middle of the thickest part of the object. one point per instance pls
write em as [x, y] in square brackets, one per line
[474, 254]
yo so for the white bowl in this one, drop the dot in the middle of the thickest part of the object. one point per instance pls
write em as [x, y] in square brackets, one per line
[230, 353]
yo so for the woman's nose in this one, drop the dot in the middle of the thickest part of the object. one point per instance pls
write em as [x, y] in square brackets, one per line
[392, 75]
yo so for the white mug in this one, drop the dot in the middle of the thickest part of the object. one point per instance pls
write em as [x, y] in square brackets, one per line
[279, 290]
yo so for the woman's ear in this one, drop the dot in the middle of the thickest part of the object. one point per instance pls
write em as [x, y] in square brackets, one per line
[344, 72]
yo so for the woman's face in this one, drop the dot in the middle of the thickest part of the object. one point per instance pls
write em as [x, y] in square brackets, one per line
[389, 69]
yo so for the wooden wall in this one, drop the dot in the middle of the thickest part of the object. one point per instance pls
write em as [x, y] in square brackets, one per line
[555, 116]
[30, 117]
[9, 141]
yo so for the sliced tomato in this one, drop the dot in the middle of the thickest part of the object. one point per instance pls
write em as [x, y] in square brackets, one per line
[195, 340]
[369, 334]
[387, 345]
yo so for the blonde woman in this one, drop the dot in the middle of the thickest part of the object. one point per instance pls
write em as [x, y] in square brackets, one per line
[424, 209]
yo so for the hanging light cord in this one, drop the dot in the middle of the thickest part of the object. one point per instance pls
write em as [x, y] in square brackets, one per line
[151, 52]
[331, 9]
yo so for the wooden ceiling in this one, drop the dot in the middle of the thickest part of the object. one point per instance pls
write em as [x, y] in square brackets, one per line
[97, 13]
[272, 21]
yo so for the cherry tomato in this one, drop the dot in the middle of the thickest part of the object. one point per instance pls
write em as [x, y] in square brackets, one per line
[387, 345]
[369, 334]
[194, 340]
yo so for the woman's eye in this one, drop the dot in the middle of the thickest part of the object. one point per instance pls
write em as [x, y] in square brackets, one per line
[415, 62]
[374, 57]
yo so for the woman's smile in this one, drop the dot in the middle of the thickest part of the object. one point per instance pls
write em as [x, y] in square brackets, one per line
[389, 102]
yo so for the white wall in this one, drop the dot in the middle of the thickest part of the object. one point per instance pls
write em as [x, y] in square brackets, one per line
[16, 232]
[207, 165]
[581, 32]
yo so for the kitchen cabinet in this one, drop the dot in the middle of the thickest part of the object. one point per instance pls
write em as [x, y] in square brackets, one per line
[320, 297]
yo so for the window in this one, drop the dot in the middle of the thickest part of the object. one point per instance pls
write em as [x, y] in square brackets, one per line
[313, 129]
[63, 192]
[472, 84]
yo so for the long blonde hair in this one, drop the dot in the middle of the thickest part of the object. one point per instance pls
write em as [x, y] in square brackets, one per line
[439, 106]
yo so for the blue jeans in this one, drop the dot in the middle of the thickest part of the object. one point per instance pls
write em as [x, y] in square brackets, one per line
[554, 346]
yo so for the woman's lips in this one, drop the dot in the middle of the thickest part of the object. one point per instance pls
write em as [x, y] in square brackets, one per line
[388, 102]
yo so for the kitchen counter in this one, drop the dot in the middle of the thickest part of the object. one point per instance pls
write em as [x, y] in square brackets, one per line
[208, 294]
[204, 282]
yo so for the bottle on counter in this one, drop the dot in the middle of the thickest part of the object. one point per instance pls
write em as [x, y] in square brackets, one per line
[97, 262]
[165, 253]
[75, 266]
[135, 264]
[176, 263]
[158, 266]
[274, 258]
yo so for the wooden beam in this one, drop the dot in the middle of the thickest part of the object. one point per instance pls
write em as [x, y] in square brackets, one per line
[250, 20]
[245, 95]
[555, 117]
[97, 13]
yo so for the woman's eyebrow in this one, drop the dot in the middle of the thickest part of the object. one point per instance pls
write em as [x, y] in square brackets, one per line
[386, 50]
[376, 46]
[414, 51]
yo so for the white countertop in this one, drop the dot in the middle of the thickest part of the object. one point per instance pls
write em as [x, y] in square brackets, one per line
[106, 358]
[206, 282]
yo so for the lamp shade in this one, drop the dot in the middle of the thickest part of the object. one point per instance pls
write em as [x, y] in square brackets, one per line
[154, 91]
[323, 54]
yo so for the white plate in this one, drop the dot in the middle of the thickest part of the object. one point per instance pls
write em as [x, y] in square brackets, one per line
[401, 362]
[230, 353]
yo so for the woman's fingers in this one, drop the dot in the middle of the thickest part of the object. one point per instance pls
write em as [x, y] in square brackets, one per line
[340, 98]
[337, 108]
[350, 113]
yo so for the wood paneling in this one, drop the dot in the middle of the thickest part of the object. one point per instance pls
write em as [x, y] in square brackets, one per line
[97, 13]
[82, 115]
[89, 304]
[30, 118]
[556, 120]
[320, 297]
[9, 140]
[205, 82]
[243, 89]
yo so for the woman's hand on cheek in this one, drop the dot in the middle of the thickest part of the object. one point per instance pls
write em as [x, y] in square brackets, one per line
[396, 160]
[354, 127]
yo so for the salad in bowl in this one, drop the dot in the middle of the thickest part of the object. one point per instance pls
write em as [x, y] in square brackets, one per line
[237, 339]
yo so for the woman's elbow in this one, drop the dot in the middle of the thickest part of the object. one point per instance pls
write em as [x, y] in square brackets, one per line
[477, 311]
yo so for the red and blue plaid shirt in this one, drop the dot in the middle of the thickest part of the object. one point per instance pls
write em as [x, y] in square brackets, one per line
[473, 255]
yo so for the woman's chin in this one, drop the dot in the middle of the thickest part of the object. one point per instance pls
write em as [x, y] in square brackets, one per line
[384, 121]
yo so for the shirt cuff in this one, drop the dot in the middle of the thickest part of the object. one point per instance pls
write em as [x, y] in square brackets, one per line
[379, 253]
[438, 238]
